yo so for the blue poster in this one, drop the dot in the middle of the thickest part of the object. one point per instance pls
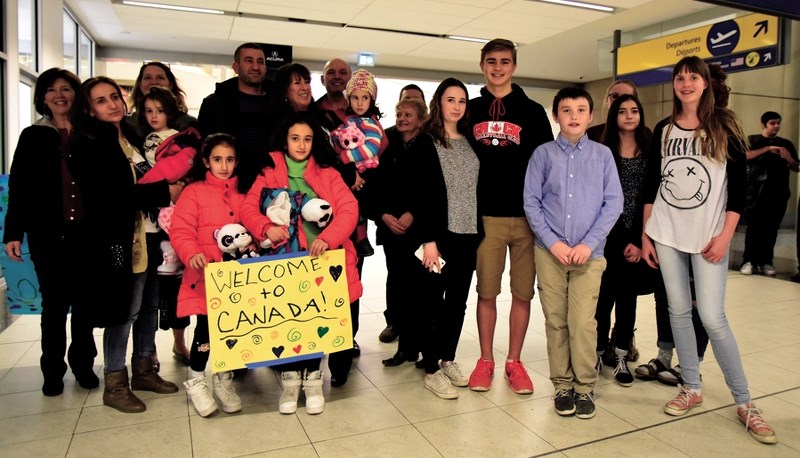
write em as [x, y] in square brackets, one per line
[22, 294]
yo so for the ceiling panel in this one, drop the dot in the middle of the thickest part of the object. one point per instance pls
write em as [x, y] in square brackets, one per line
[171, 23]
[317, 10]
[285, 33]
[376, 42]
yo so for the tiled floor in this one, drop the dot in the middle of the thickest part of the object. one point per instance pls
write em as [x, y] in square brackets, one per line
[387, 412]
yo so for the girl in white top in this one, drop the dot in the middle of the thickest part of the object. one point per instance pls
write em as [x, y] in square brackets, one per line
[693, 200]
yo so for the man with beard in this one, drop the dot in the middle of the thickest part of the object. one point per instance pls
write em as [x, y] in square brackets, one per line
[238, 107]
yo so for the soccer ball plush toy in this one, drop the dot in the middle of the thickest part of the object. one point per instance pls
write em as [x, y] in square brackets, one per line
[317, 211]
[234, 241]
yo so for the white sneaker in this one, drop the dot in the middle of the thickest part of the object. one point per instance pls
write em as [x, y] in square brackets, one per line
[453, 372]
[291, 381]
[225, 392]
[315, 400]
[747, 269]
[768, 270]
[440, 385]
[203, 401]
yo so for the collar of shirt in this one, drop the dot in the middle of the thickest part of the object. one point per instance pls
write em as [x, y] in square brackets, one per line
[567, 145]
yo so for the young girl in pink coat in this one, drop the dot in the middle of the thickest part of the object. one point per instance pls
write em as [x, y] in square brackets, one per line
[304, 164]
[206, 205]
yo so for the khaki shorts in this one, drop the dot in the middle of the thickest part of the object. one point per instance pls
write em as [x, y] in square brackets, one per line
[512, 234]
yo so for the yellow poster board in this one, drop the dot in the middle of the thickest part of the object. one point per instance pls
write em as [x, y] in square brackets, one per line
[277, 309]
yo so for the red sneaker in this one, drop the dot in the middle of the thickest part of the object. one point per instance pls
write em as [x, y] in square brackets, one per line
[750, 415]
[684, 401]
[518, 377]
[481, 377]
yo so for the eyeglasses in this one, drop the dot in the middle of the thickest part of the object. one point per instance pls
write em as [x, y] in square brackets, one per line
[613, 96]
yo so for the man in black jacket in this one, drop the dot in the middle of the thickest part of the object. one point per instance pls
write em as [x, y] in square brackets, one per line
[238, 107]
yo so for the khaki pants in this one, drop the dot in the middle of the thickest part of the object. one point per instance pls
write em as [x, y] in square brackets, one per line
[569, 298]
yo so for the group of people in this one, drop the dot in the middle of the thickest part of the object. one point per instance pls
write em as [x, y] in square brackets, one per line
[455, 187]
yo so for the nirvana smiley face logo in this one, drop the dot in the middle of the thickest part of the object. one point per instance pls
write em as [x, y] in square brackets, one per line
[685, 183]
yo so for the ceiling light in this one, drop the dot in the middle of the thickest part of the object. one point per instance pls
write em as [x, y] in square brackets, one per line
[470, 39]
[590, 6]
[186, 9]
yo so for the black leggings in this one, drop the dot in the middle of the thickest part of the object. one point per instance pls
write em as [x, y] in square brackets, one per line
[197, 358]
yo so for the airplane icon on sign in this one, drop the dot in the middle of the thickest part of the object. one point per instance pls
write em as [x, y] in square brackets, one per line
[715, 42]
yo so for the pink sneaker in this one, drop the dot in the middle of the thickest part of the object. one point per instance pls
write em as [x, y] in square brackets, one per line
[481, 377]
[684, 401]
[518, 377]
[750, 415]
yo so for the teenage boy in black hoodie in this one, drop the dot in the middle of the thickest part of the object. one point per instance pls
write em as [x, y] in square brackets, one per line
[505, 127]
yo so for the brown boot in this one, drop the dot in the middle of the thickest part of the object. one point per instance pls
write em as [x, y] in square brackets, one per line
[118, 395]
[145, 379]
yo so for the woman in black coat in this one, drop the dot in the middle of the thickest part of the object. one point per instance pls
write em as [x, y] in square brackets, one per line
[42, 203]
[102, 158]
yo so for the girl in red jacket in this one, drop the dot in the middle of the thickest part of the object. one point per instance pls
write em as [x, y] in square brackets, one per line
[304, 164]
[210, 202]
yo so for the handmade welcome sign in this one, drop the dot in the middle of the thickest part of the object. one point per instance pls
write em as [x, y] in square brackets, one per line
[22, 294]
[277, 309]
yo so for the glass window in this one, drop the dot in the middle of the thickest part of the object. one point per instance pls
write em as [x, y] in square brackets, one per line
[70, 43]
[27, 33]
[85, 55]
[25, 105]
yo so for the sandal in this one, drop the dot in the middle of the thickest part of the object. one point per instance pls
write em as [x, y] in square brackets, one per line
[650, 370]
[180, 357]
[671, 376]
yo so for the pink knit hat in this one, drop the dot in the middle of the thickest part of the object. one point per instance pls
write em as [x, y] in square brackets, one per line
[363, 80]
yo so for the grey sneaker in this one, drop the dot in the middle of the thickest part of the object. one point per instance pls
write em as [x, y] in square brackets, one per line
[225, 392]
[291, 382]
[747, 269]
[453, 372]
[440, 385]
[315, 399]
[768, 270]
[584, 405]
[564, 402]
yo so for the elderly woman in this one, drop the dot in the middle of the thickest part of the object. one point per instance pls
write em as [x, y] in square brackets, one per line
[44, 203]
[390, 205]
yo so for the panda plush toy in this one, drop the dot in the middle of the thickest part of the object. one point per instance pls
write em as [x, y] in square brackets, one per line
[317, 211]
[234, 241]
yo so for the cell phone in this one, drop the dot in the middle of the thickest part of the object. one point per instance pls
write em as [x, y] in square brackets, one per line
[419, 253]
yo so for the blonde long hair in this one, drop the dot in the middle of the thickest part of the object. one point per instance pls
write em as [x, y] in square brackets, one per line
[718, 125]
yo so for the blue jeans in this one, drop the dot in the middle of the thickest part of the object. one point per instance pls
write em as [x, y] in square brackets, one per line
[710, 280]
[143, 317]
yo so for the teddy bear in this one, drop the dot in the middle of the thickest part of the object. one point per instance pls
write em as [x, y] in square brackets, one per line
[359, 141]
[318, 211]
[283, 208]
[234, 241]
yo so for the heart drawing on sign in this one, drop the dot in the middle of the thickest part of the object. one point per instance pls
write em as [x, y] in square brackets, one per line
[231, 342]
[322, 330]
[297, 349]
[336, 272]
[319, 280]
[277, 351]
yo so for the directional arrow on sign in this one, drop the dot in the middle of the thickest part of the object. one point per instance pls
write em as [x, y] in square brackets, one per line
[763, 26]
[767, 57]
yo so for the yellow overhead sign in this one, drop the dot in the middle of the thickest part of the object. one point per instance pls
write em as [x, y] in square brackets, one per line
[744, 33]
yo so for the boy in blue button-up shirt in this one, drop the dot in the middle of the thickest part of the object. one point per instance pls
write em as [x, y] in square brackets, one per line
[572, 199]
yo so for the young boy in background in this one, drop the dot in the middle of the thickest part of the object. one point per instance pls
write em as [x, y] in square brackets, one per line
[572, 199]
